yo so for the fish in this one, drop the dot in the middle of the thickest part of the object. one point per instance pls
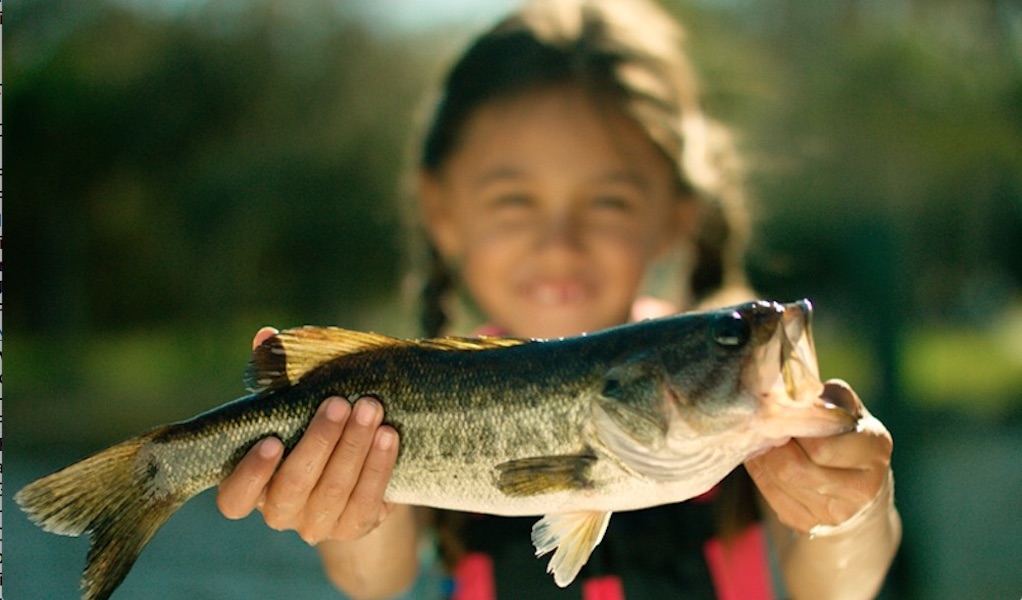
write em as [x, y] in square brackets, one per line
[570, 430]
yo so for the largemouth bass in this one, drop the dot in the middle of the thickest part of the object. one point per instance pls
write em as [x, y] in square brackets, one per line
[572, 429]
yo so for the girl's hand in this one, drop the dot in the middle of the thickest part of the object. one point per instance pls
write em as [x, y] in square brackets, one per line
[331, 485]
[825, 481]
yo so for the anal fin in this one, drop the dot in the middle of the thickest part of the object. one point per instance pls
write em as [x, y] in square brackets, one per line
[572, 537]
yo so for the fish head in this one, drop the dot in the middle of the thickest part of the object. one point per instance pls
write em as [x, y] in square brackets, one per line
[726, 385]
[757, 371]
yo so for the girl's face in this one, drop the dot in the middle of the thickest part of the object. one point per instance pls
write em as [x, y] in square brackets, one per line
[553, 206]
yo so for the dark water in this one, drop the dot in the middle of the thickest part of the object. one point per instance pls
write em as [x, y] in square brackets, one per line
[959, 490]
[198, 554]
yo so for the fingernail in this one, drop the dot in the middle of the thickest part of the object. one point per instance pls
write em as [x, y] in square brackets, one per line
[840, 395]
[365, 411]
[269, 448]
[385, 439]
[335, 409]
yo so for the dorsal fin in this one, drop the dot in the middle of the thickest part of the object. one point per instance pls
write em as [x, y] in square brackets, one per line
[469, 344]
[286, 357]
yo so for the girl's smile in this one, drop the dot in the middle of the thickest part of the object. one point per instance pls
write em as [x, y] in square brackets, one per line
[553, 293]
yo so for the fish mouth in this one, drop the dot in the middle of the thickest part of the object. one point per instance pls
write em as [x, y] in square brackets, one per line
[794, 406]
[799, 369]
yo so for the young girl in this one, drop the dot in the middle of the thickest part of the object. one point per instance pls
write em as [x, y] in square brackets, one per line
[566, 159]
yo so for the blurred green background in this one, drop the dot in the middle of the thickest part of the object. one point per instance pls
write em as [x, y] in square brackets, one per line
[182, 172]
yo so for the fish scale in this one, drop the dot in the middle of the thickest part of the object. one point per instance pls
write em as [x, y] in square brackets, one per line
[570, 429]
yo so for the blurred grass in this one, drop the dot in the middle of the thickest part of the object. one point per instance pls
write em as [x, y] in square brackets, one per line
[843, 355]
[107, 386]
[942, 368]
[965, 369]
[97, 388]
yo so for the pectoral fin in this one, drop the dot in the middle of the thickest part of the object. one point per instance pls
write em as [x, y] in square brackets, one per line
[544, 474]
[572, 537]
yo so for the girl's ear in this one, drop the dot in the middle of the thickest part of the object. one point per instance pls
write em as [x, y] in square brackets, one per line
[688, 216]
[683, 224]
[437, 215]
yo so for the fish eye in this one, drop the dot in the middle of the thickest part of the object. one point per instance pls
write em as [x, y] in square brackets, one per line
[731, 331]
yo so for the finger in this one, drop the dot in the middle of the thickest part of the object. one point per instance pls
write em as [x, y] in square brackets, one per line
[297, 476]
[804, 494]
[858, 450]
[868, 447]
[366, 506]
[838, 392]
[262, 335]
[789, 509]
[341, 474]
[773, 472]
[240, 491]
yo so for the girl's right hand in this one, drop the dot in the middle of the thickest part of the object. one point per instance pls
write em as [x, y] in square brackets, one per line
[332, 483]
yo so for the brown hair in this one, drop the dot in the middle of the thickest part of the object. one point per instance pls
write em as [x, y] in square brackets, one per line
[630, 53]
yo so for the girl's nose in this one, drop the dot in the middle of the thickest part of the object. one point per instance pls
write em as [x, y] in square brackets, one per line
[561, 232]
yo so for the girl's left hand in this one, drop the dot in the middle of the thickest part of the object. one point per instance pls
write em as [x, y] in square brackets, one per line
[825, 481]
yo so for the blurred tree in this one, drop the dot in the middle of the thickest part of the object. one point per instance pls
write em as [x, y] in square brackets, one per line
[172, 168]
[865, 121]
[230, 158]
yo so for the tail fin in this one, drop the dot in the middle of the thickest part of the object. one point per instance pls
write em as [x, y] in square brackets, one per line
[111, 495]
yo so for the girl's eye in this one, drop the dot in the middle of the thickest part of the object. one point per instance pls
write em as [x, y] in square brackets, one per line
[512, 201]
[611, 202]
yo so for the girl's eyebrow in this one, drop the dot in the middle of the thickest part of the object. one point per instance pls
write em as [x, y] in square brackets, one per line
[500, 173]
[507, 172]
[627, 177]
